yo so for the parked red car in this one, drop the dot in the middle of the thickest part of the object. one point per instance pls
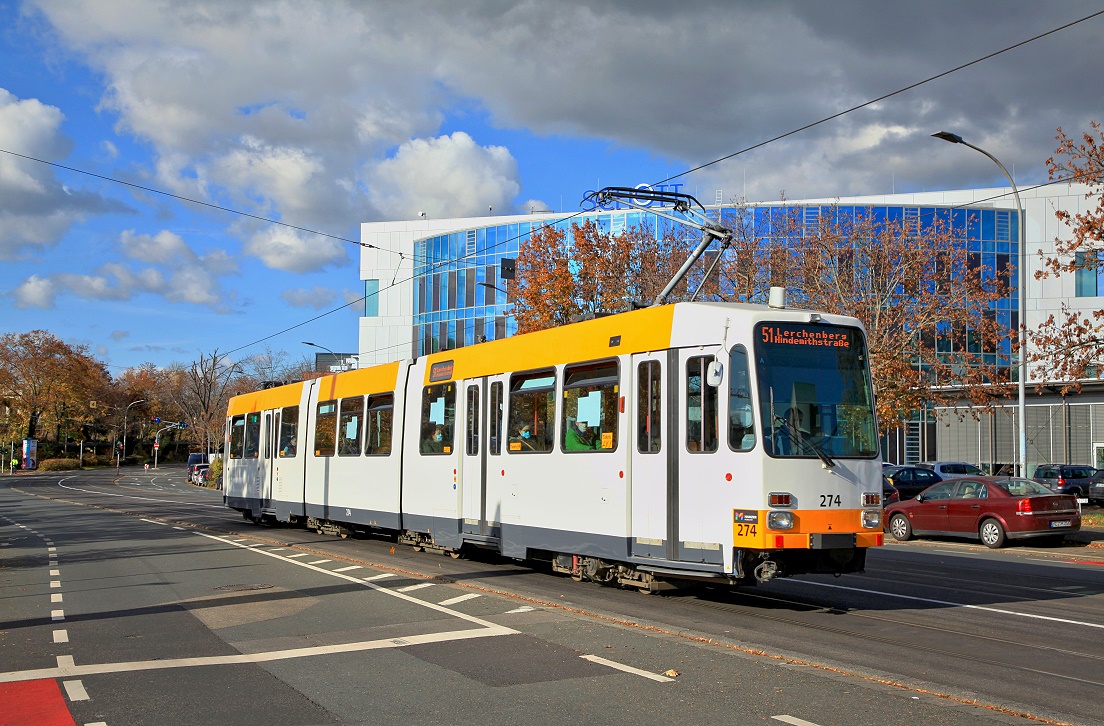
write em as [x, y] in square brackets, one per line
[992, 509]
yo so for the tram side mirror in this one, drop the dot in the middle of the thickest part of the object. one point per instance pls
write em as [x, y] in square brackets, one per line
[714, 372]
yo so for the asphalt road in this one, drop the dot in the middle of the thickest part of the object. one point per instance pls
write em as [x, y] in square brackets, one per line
[138, 599]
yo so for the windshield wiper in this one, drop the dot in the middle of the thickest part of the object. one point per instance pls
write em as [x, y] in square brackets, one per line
[797, 438]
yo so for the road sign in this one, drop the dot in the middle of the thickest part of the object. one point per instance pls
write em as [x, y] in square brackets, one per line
[156, 446]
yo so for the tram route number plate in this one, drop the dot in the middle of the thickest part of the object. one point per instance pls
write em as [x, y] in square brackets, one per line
[1058, 523]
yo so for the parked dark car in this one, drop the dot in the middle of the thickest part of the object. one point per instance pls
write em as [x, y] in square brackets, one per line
[992, 509]
[195, 460]
[1065, 478]
[911, 480]
[1096, 488]
[889, 493]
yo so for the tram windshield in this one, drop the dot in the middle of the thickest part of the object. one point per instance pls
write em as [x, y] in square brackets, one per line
[814, 391]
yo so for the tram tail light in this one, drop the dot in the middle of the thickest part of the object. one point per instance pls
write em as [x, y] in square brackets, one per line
[871, 499]
[780, 499]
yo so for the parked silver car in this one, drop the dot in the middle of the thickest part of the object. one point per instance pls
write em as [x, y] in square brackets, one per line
[951, 469]
[1065, 478]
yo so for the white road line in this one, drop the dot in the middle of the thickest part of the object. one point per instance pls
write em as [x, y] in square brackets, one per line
[144, 499]
[61, 636]
[277, 549]
[301, 554]
[462, 598]
[793, 720]
[163, 524]
[239, 540]
[952, 604]
[378, 588]
[627, 669]
[522, 609]
[409, 588]
[319, 562]
[96, 723]
[55, 597]
[57, 615]
[179, 527]
[350, 567]
[75, 690]
[51, 549]
[381, 576]
[55, 573]
[70, 669]
[55, 583]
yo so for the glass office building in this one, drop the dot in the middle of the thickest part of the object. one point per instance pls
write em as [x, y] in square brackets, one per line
[459, 297]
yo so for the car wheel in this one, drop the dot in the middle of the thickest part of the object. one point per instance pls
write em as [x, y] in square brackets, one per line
[991, 533]
[1077, 493]
[900, 528]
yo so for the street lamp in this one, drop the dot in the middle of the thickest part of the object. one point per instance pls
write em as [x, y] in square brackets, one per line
[316, 345]
[1021, 414]
[119, 459]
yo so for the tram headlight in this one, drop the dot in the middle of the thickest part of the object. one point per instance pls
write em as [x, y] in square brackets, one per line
[780, 520]
[872, 518]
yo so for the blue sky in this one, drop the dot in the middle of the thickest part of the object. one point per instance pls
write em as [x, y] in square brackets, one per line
[324, 115]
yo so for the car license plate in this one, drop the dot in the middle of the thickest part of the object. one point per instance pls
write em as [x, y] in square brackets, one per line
[1059, 523]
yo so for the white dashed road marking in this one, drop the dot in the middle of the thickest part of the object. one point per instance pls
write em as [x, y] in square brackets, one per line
[627, 669]
[462, 598]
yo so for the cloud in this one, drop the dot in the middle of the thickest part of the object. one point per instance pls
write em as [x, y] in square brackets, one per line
[287, 249]
[118, 335]
[186, 277]
[35, 209]
[35, 292]
[317, 297]
[449, 176]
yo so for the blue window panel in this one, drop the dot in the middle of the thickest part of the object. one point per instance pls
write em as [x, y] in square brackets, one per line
[1015, 222]
[988, 245]
[879, 215]
[942, 216]
[1002, 246]
[973, 224]
[988, 224]
[1002, 226]
[958, 222]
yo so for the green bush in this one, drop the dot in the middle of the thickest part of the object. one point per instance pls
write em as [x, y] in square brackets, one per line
[59, 464]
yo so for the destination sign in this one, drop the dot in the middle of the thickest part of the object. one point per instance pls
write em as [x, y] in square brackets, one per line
[830, 337]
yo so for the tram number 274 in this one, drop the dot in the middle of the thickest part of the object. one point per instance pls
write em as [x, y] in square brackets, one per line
[745, 530]
[830, 500]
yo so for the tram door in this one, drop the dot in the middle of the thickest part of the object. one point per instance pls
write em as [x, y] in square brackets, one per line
[473, 459]
[268, 464]
[653, 486]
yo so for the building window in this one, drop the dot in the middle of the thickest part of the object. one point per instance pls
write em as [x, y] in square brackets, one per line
[1088, 273]
[371, 298]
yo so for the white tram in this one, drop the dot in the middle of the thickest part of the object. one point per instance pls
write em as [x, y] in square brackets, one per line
[727, 442]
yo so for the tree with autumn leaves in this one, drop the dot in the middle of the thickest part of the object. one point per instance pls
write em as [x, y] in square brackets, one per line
[928, 305]
[1069, 347]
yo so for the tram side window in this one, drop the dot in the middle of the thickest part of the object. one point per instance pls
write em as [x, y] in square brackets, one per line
[590, 400]
[289, 431]
[252, 435]
[438, 419]
[532, 412]
[349, 426]
[741, 422]
[701, 407]
[237, 436]
[325, 427]
[649, 411]
[472, 433]
[378, 439]
[495, 413]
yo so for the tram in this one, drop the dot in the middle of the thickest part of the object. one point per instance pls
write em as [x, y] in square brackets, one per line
[731, 443]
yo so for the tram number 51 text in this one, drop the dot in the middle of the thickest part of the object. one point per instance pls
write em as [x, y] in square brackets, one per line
[830, 500]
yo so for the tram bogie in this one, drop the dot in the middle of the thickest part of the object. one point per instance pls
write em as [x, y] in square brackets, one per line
[698, 441]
